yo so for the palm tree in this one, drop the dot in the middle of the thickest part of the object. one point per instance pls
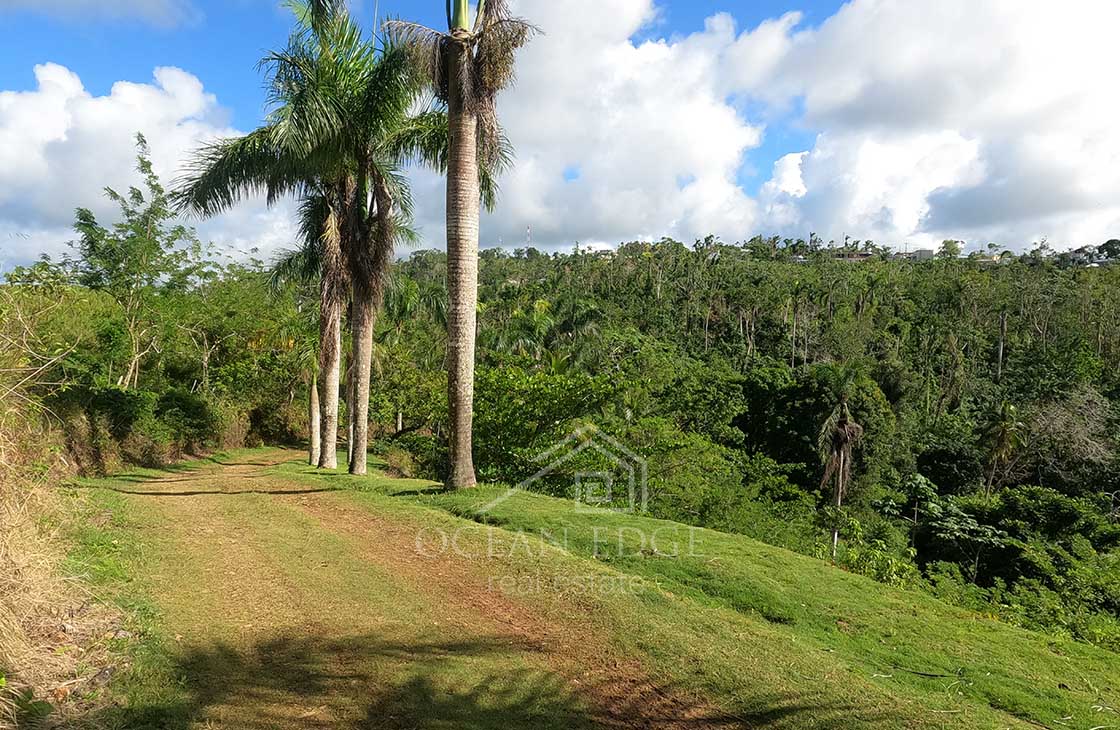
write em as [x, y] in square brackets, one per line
[838, 436]
[221, 173]
[467, 66]
[1005, 434]
[305, 265]
[357, 102]
[341, 128]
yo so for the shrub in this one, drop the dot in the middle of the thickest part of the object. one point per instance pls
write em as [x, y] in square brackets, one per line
[399, 461]
[187, 416]
[231, 425]
[876, 560]
[429, 454]
[151, 443]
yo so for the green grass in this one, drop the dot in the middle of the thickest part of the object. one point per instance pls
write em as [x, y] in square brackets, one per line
[774, 638]
[781, 639]
[140, 474]
[112, 553]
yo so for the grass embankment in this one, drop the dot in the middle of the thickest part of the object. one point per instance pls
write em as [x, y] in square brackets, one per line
[778, 638]
[269, 595]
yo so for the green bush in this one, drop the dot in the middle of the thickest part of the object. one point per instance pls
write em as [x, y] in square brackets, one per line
[151, 444]
[428, 452]
[188, 416]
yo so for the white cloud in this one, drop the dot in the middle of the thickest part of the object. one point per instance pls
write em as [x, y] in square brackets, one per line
[986, 119]
[164, 13]
[645, 130]
[60, 146]
[983, 119]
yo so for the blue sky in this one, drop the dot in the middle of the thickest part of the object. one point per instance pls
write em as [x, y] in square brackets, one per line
[894, 120]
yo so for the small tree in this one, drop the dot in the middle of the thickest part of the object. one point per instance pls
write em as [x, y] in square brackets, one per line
[950, 249]
[838, 437]
[134, 258]
[952, 524]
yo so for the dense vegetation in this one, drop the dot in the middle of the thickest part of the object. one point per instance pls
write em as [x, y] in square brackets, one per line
[986, 394]
[985, 391]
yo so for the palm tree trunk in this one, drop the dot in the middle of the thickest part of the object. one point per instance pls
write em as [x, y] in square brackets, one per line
[369, 297]
[837, 498]
[463, 203]
[350, 394]
[313, 421]
[362, 339]
[1002, 344]
[330, 336]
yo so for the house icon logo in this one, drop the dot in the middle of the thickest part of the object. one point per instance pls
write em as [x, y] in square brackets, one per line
[615, 481]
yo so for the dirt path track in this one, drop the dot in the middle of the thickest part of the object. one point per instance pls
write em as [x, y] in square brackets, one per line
[303, 608]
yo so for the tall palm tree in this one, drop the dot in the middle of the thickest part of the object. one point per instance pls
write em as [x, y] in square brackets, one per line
[221, 173]
[467, 66]
[341, 128]
[838, 437]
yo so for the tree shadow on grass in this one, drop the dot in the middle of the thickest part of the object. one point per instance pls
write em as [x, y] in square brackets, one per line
[541, 700]
[218, 492]
[367, 682]
[356, 682]
[422, 491]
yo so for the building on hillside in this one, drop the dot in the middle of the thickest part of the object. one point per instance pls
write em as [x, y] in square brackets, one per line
[921, 254]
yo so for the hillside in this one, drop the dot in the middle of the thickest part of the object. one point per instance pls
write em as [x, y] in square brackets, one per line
[266, 594]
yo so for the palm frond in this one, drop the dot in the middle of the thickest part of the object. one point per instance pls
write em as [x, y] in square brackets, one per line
[220, 174]
[495, 156]
[427, 51]
[406, 233]
[390, 89]
[295, 265]
[498, 44]
[422, 139]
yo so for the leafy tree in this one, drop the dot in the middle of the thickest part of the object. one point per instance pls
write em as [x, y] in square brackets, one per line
[950, 249]
[955, 526]
[135, 259]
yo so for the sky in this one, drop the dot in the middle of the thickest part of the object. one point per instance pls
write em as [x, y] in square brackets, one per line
[892, 120]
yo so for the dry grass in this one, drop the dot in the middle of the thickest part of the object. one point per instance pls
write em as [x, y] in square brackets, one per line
[49, 626]
[31, 590]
